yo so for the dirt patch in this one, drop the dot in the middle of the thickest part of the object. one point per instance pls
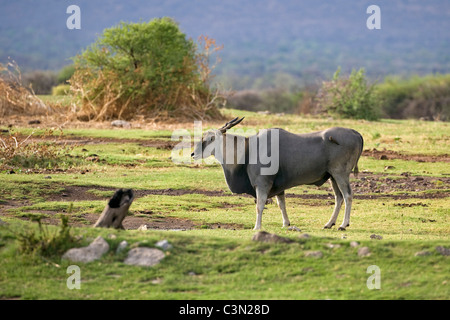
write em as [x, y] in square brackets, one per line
[82, 193]
[153, 220]
[71, 140]
[387, 185]
[389, 155]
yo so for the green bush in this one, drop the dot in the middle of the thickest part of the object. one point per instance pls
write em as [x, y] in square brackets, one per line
[61, 90]
[417, 97]
[350, 97]
[43, 242]
[146, 68]
[65, 74]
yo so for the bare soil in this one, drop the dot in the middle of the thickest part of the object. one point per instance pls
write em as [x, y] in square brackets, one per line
[389, 155]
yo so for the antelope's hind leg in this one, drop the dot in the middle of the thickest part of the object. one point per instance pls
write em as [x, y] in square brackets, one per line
[281, 201]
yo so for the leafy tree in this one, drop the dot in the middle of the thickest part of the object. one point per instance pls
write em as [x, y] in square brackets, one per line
[142, 68]
[349, 97]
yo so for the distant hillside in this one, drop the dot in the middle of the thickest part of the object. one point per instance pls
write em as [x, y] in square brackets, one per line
[266, 42]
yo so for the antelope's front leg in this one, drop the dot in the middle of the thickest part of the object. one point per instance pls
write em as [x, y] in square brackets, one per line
[261, 198]
[281, 201]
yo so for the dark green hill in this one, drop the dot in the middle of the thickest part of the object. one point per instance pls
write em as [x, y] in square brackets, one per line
[265, 41]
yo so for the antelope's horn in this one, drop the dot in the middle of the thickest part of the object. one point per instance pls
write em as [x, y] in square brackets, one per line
[231, 124]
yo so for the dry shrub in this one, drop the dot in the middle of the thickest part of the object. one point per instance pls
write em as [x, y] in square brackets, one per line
[146, 69]
[15, 99]
[17, 151]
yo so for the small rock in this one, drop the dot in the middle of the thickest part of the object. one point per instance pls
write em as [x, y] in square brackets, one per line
[442, 250]
[142, 227]
[304, 236]
[422, 253]
[364, 252]
[314, 254]
[264, 236]
[144, 257]
[157, 281]
[333, 245]
[94, 251]
[164, 244]
[47, 177]
[293, 228]
[376, 237]
[122, 246]
[121, 124]
[354, 244]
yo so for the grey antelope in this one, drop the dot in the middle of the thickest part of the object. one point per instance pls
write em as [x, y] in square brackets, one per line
[296, 159]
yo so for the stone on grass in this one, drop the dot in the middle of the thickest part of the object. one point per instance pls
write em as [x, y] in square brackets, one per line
[333, 245]
[314, 254]
[121, 124]
[376, 237]
[144, 257]
[442, 250]
[422, 253]
[164, 244]
[122, 246]
[264, 236]
[92, 252]
[364, 252]
[354, 244]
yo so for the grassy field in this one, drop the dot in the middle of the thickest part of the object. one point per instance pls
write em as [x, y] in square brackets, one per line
[401, 195]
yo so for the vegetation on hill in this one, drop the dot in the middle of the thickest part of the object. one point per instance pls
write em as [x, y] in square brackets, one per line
[353, 96]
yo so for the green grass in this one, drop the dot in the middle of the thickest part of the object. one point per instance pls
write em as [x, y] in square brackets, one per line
[211, 263]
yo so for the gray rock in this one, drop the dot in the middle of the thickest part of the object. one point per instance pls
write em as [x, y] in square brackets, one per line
[376, 237]
[92, 252]
[164, 244]
[264, 236]
[364, 252]
[122, 246]
[144, 257]
[333, 245]
[354, 244]
[422, 253]
[294, 228]
[121, 124]
[442, 250]
[304, 236]
[314, 254]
